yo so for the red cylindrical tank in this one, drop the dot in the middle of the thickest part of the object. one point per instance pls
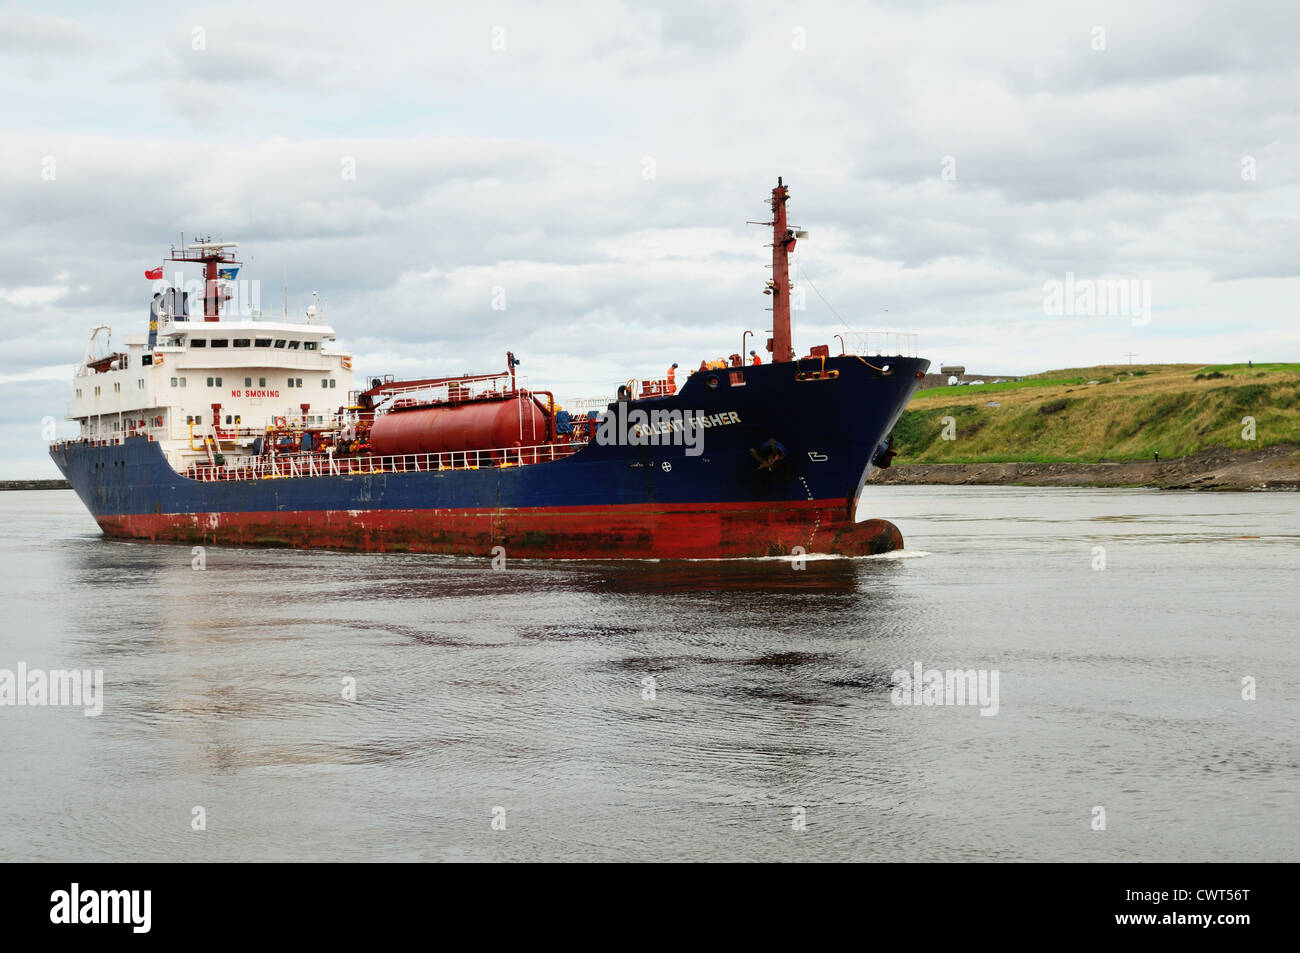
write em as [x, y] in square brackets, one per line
[481, 425]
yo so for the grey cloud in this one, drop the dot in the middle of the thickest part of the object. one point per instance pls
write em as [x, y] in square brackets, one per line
[523, 168]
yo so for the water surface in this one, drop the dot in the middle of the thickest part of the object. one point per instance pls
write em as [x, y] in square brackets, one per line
[524, 689]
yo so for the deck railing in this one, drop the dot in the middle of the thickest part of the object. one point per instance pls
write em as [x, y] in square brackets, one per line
[583, 405]
[882, 343]
[322, 464]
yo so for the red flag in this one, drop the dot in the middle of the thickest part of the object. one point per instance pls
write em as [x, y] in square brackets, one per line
[155, 274]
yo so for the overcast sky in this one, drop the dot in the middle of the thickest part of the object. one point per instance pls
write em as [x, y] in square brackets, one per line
[598, 161]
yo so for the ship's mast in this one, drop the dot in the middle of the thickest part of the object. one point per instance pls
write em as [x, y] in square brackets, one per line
[783, 242]
[210, 254]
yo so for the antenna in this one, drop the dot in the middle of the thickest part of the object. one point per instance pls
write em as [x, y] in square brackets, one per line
[210, 255]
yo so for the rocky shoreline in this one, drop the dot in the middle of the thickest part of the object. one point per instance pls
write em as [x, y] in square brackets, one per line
[1275, 468]
[34, 485]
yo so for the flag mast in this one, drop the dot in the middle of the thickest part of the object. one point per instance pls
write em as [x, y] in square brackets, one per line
[210, 254]
[783, 242]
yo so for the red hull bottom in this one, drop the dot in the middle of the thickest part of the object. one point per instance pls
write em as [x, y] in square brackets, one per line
[652, 531]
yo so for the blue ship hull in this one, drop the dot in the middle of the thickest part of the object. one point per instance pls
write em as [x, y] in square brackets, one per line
[603, 501]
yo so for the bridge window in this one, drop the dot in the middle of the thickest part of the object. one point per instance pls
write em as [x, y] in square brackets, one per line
[309, 345]
[293, 345]
[220, 342]
[262, 342]
[280, 343]
[199, 342]
[242, 342]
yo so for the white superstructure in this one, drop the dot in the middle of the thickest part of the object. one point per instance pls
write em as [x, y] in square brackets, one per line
[213, 387]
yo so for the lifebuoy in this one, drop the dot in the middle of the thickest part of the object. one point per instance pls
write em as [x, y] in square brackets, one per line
[157, 360]
[281, 423]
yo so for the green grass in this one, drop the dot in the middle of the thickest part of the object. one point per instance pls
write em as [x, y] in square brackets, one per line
[1028, 382]
[1075, 376]
[1239, 369]
[1057, 417]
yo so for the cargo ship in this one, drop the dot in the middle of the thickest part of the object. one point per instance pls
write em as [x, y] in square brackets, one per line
[211, 429]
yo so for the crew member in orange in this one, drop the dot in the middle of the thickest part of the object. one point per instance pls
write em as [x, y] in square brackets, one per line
[672, 378]
[755, 358]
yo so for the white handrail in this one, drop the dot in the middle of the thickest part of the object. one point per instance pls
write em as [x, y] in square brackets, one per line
[882, 343]
[316, 465]
[582, 405]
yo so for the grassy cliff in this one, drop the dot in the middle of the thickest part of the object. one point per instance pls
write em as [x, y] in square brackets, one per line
[1088, 414]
